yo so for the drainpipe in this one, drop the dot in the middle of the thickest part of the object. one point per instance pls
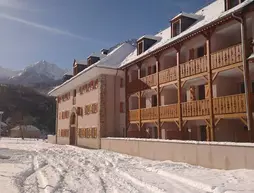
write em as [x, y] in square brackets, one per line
[246, 75]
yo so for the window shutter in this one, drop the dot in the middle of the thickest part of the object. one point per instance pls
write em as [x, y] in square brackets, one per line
[121, 107]
[207, 91]
[121, 83]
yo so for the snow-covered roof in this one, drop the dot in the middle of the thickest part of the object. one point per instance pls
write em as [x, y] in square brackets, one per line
[153, 37]
[190, 15]
[209, 14]
[26, 128]
[83, 62]
[112, 60]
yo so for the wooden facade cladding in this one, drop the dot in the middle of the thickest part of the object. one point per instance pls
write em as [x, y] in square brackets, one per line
[191, 69]
[226, 105]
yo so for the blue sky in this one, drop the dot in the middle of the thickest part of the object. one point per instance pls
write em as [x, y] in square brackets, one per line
[60, 30]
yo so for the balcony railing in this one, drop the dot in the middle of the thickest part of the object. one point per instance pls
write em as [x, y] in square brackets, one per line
[134, 115]
[194, 67]
[148, 81]
[229, 104]
[226, 56]
[149, 113]
[168, 75]
[195, 108]
[222, 106]
[169, 111]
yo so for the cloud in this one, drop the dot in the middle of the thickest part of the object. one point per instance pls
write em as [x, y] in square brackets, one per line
[49, 29]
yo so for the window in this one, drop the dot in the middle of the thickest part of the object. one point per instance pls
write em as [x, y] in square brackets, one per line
[232, 3]
[201, 51]
[176, 28]
[154, 69]
[140, 47]
[74, 93]
[191, 54]
[154, 101]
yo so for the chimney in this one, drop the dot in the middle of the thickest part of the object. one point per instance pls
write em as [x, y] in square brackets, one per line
[77, 68]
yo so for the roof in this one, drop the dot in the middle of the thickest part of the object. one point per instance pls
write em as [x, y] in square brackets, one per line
[26, 128]
[190, 15]
[112, 61]
[83, 62]
[209, 14]
[157, 38]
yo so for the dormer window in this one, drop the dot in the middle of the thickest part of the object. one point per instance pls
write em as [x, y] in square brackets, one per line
[232, 3]
[140, 47]
[92, 59]
[145, 42]
[176, 28]
[181, 22]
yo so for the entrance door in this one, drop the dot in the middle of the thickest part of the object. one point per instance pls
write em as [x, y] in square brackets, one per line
[72, 136]
[203, 133]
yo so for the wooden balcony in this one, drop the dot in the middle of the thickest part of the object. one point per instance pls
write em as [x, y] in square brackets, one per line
[225, 57]
[195, 108]
[168, 111]
[149, 114]
[148, 81]
[220, 60]
[194, 67]
[134, 115]
[168, 75]
[229, 104]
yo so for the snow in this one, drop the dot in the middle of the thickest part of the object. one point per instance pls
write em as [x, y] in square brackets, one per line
[35, 166]
[7, 73]
[26, 128]
[209, 14]
[190, 15]
[157, 38]
[45, 68]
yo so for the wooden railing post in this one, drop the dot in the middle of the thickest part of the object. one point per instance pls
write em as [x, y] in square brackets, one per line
[179, 89]
[210, 85]
[158, 96]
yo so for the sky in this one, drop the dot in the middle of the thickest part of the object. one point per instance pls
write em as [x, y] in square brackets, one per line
[60, 30]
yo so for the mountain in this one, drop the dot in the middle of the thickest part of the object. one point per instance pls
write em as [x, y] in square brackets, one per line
[6, 73]
[42, 76]
[39, 72]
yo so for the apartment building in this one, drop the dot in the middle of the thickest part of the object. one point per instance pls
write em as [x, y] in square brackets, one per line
[194, 80]
[90, 105]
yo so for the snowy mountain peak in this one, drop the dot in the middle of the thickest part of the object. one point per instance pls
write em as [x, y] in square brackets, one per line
[51, 71]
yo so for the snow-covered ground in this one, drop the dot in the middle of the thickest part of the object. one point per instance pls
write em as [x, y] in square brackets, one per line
[34, 166]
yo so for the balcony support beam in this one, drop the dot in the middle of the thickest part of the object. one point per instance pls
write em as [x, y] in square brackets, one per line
[158, 96]
[246, 74]
[179, 89]
[210, 83]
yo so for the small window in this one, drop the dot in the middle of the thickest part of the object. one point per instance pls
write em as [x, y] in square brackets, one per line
[154, 101]
[74, 93]
[140, 47]
[154, 69]
[176, 28]
[201, 51]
